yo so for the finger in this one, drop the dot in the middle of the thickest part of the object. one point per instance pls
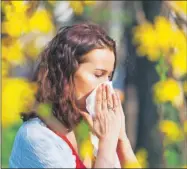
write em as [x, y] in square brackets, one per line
[119, 101]
[115, 102]
[109, 97]
[104, 98]
[119, 109]
[98, 100]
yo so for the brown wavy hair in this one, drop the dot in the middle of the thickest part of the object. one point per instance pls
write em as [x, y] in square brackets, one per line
[58, 64]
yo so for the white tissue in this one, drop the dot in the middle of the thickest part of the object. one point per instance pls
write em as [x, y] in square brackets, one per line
[91, 99]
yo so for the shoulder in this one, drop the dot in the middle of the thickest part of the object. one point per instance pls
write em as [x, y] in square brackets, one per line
[37, 146]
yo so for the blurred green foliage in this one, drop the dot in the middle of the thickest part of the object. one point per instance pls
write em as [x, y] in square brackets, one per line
[8, 135]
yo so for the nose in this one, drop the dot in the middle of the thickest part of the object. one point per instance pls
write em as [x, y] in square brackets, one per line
[103, 81]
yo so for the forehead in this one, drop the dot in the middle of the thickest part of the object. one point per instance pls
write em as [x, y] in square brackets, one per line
[100, 58]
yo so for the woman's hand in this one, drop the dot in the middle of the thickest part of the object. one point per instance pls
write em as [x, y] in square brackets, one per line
[108, 119]
[106, 125]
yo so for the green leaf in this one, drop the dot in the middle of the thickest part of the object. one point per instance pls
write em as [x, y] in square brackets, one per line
[8, 135]
[172, 158]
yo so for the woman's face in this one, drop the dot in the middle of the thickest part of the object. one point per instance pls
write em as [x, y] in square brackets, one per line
[97, 67]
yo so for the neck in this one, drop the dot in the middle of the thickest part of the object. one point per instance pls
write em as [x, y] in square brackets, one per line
[55, 124]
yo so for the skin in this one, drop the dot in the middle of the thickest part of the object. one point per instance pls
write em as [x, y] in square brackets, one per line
[96, 67]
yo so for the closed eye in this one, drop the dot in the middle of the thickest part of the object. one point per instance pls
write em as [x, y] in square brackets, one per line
[99, 74]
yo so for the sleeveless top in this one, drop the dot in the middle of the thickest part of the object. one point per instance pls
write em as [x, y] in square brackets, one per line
[37, 146]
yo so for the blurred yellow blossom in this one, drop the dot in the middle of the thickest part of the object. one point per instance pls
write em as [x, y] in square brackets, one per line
[13, 52]
[164, 33]
[77, 6]
[19, 6]
[171, 129]
[179, 63]
[14, 8]
[18, 96]
[131, 165]
[16, 22]
[179, 40]
[180, 6]
[160, 38]
[146, 39]
[168, 90]
[16, 26]
[142, 156]
[41, 21]
[86, 149]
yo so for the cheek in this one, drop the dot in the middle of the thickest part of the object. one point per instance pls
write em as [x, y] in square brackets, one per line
[84, 84]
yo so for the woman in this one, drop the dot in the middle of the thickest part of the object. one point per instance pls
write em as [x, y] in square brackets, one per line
[75, 62]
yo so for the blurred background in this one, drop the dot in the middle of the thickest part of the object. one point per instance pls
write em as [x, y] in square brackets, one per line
[151, 74]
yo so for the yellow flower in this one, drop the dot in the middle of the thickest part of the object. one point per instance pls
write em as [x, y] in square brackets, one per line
[13, 52]
[86, 149]
[131, 165]
[14, 8]
[19, 6]
[159, 39]
[164, 33]
[180, 6]
[146, 39]
[16, 26]
[41, 21]
[168, 91]
[179, 63]
[17, 96]
[179, 40]
[77, 6]
[142, 156]
[16, 22]
[171, 130]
